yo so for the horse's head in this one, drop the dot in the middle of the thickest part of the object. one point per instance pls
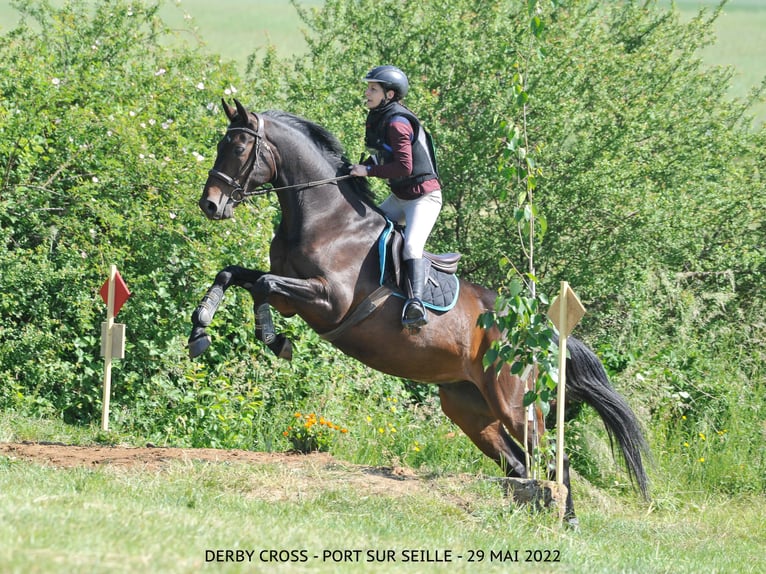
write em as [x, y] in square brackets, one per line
[245, 161]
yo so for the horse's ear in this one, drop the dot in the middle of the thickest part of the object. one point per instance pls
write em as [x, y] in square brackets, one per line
[241, 111]
[230, 112]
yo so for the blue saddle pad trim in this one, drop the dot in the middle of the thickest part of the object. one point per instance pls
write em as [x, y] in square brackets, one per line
[383, 251]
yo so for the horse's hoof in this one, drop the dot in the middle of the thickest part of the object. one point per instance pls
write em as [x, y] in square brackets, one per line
[199, 346]
[573, 524]
[282, 348]
[286, 352]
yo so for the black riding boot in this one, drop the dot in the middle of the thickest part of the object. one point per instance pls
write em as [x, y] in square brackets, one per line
[414, 313]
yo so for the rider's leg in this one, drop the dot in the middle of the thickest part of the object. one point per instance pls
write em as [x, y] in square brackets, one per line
[421, 215]
[414, 312]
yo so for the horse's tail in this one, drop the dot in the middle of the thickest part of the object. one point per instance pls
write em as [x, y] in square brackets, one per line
[587, 381]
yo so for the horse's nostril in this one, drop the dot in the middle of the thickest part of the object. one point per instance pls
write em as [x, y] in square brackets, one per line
[208, 207]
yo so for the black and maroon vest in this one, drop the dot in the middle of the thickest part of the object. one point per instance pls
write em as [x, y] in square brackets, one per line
[423, 155]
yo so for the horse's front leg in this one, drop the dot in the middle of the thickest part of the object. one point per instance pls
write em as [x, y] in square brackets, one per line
[288, 294]
[203, 315]
[262, 287]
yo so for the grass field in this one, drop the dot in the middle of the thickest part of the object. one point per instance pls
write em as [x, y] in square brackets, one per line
[170, 513]
[324, 517]
[232, 28]
[237, 28]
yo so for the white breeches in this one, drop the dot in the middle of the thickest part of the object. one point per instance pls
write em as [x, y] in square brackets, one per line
[418, 216]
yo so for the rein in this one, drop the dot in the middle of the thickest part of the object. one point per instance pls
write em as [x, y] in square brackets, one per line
[244, 194]
[239, 193]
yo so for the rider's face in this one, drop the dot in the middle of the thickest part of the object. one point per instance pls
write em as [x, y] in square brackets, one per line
[375, 94]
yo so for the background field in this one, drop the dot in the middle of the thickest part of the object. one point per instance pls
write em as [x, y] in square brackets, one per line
[231, 28]
[236, 28]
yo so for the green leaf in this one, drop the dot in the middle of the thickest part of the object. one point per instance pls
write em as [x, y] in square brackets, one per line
[490, 357]
[486, 320]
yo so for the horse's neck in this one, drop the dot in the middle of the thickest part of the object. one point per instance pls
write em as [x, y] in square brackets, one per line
[328, 210]
[324, 210]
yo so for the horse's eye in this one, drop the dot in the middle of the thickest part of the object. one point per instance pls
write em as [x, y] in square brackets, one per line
[239, 150]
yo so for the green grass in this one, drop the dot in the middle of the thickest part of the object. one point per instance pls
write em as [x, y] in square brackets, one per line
[126, 519]
[237, 28]
[232, 28]
[119, 520]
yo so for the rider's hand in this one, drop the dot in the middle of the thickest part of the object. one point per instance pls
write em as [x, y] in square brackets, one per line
[358, 170]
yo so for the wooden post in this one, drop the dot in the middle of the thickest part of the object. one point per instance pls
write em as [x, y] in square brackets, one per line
[565, 312]
[108, 350]
[561, 387]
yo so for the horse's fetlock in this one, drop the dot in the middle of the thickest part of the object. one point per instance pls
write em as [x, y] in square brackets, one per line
[265, 335]
[202, 316]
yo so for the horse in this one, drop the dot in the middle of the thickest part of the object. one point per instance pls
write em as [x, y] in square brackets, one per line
[324, 267]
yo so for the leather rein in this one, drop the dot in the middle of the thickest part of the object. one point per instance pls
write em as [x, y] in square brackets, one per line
[238, 193]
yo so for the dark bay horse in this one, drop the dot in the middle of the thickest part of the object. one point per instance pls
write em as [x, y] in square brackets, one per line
[325, 268]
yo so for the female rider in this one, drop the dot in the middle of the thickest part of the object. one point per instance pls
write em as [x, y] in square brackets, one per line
[402, 154]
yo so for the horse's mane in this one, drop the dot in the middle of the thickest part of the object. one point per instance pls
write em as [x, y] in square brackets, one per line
[328, 144]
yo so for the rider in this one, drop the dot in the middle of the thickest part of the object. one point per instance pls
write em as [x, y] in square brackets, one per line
[402, 154]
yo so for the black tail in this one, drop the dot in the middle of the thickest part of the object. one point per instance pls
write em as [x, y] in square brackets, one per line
[587, 381]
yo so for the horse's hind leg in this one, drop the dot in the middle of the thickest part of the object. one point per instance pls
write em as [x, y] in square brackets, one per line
[504, 396]
[464, 404]
[569, 513]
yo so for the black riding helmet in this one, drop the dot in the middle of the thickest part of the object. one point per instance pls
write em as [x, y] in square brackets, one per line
[391, 78]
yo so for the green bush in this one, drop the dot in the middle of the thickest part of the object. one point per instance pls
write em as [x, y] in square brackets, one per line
[105, 138]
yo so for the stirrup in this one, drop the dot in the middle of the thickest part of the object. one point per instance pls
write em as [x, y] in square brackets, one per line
[414, 314]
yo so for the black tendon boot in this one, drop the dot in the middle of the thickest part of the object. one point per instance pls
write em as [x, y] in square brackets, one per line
[414, 313]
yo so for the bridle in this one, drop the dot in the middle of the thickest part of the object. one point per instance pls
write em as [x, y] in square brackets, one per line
[238, 193]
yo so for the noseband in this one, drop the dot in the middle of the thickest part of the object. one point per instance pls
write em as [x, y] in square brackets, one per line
[238, 193]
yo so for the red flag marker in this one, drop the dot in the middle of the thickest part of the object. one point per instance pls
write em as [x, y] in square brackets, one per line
[114, 293]
[121, 292]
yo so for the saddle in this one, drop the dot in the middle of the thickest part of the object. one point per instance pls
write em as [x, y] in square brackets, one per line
[442, 285]
[441, 290]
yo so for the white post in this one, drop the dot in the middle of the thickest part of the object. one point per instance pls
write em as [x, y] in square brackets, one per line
[108, 350]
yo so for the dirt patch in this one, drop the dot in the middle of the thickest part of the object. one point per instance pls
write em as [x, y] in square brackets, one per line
[372, 480]
[67, 456]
